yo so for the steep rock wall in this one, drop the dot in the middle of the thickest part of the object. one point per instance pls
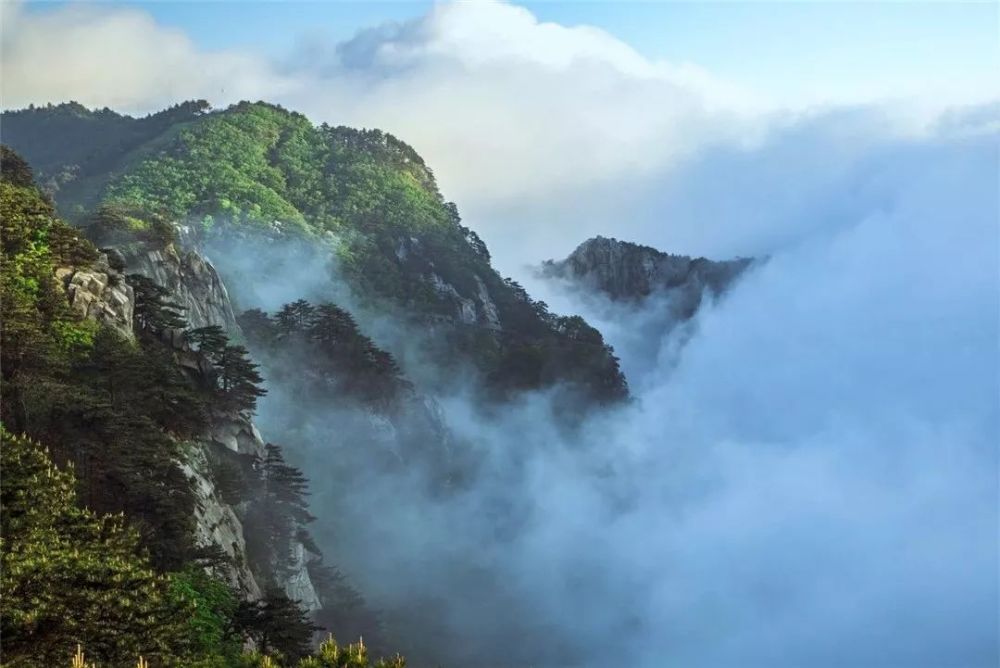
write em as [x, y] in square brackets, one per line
[195, 285]
[191, 279]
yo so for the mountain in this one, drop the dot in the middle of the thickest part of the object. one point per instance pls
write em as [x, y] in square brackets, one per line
[142, 511]
[256, 170]
[624, 271]
[138, 362]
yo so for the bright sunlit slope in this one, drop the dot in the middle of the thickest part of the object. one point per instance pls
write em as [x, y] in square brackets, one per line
[260, 171]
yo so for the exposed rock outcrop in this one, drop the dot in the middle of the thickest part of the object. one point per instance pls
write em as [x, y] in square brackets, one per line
[627, 271]
[218, 524]
[195, 284]
[191, 279]
[297, 583]
[101, 293]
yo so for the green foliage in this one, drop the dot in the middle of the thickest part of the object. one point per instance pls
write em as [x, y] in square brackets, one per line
[219, 167]
[346, 361]
[118, 410]
[14, 169]
[345, 613]
[233, 376]
[154, 312]
[116, 224]
[214, 605]
[232, 474]
[277, 625]
[38, 329]
[113, 407]
[119, 416]
[333, 655]
[258, 168]
[68, 142]
[70, 576]
[277, 513]
[238, 380]
[329, 655]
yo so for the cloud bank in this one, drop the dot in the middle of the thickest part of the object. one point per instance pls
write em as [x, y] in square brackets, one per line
[106, 56]
[814, 482]
[810, 480]
[541, 133]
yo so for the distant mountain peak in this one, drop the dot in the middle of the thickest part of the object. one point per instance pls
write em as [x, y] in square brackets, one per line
[625, 271]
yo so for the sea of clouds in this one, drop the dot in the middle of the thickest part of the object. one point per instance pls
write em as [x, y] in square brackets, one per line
[809, 473]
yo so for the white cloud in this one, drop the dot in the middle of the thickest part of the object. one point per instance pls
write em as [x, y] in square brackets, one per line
[504, 107]
[812, 483]
[543, 134]
[120, 58]
[508, 108]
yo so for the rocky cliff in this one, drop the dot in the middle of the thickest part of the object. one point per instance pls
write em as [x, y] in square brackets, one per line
[194, 284]
[627, 271]
[101, 293]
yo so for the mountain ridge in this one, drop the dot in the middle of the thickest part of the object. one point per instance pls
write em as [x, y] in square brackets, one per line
[257, 170]
[622, 271]
[626, 270]
[153, 410]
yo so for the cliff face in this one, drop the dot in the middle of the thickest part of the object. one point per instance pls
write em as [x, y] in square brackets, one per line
[192, 280]
[101, 293]
[625, 271]
[195, 285]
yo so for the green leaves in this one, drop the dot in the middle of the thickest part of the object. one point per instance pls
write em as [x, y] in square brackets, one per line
[345, 359]
[261, 169]
[277, 625]
[154, 312]
[70, 576]
[213, 606]
[120, 408]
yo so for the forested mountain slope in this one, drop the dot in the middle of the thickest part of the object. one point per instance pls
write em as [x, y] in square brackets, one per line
[261, 171]
[123, 352]
[173, 530]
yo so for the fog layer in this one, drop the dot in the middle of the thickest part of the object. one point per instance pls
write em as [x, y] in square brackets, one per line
[808, 475]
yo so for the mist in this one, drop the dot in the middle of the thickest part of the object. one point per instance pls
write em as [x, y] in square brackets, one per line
[808, 471]
[807, 475]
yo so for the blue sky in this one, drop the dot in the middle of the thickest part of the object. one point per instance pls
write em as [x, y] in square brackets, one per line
[838, 50]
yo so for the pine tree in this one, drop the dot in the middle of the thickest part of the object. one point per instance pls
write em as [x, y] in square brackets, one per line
[332, 326]
[239, 381]
[286, 486]
[14, 169]
[154, 312]
[294, 317]
[277, 625]
[210, 341]
[69, 576]
[277, 514]
[258, 327]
